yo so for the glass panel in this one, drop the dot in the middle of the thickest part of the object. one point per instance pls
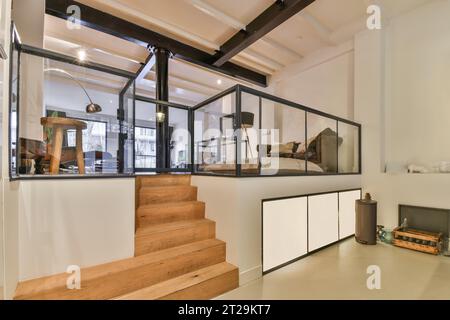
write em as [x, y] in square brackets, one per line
[250, 118]
[13, 116]
[282, 149]
[179, 140]
[55, 106]
[146, 87]
[94, 137]
[145, 142]
[127, 129]
[348, 148]
[322, 144]
[214, 138]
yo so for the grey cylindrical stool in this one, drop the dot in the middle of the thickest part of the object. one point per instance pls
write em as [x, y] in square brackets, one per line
[366, 220]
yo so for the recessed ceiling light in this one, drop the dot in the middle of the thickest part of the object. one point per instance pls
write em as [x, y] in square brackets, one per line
[219, 82]
[82, 55]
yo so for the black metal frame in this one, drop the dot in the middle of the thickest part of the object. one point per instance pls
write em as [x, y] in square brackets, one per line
[309, 253]
[238, 90]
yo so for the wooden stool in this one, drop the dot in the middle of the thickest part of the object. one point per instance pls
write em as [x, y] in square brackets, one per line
[59, 125]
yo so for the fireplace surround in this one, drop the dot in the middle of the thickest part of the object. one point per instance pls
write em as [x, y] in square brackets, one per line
[426, 219]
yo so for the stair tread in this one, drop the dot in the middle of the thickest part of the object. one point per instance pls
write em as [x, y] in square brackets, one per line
[168, 204]
[36, 286]
[182, 282]
[171, 226]
[146, 189]
[166, 179]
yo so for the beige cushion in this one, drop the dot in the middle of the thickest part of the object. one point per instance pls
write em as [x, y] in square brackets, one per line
[282, 148]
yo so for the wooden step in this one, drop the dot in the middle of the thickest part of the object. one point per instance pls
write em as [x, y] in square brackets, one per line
[170, 212]
[121, 277]
[202, 284]
[163, 236]
[152, 195]
[165, 180]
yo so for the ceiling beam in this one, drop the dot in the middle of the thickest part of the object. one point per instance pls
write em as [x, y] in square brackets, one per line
[259, 58]
[123, 29]
[173, 29]
[277, 45]
[323, 32]
[271, 18]
[75, 44]
[217, 14]
[237, 25]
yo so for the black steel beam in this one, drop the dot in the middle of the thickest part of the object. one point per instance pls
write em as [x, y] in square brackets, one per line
[162, 93]
[123, 29]
[271, 18]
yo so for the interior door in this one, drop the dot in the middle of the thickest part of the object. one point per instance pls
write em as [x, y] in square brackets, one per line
[323, 220]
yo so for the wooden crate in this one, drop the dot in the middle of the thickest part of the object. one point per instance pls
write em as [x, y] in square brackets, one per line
[422, 241]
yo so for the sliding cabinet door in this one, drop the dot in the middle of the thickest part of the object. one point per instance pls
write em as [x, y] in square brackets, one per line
[347, 212]
[285, 231]
[323, 220]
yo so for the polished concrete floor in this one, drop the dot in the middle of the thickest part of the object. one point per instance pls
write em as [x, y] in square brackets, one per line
[340, 272]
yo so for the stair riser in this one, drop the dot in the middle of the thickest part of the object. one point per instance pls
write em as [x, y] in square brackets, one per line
[133, 279]
[164, 240]
[171, 195]
[165, 180]
[167, 214]
[208, 289]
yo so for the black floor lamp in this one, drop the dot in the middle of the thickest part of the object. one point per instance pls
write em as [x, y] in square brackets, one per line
[247, 121]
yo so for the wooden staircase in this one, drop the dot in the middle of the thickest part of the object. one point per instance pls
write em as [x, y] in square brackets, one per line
[176, 253]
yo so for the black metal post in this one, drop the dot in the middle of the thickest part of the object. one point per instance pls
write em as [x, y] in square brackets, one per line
[162, 93]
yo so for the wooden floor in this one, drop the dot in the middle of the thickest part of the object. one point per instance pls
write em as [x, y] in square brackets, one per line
[176, 253]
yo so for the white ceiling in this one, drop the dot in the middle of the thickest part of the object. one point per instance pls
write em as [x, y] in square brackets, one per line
[206, 24]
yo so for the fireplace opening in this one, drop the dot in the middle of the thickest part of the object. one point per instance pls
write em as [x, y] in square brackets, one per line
[426, 219]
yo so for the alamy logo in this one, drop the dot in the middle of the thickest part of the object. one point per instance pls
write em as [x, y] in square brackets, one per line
[73, 281]
[374, 19]
[374, 280]
[73, 22]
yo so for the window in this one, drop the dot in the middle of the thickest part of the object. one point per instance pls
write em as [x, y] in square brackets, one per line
[94, 136]
[145, 147]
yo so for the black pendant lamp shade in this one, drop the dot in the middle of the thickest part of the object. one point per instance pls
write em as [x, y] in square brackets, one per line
[93, 108]
[248, 119]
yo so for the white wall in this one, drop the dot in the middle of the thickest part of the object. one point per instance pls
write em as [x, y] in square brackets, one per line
[418, 80]
[401, 99]
[74, 222]
[322, 81]
[31, 30]
[9, 190]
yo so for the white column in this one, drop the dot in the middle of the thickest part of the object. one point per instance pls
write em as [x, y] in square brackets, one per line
[29, 17]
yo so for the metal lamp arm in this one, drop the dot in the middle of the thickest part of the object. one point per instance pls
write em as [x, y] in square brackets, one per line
[71, 77]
